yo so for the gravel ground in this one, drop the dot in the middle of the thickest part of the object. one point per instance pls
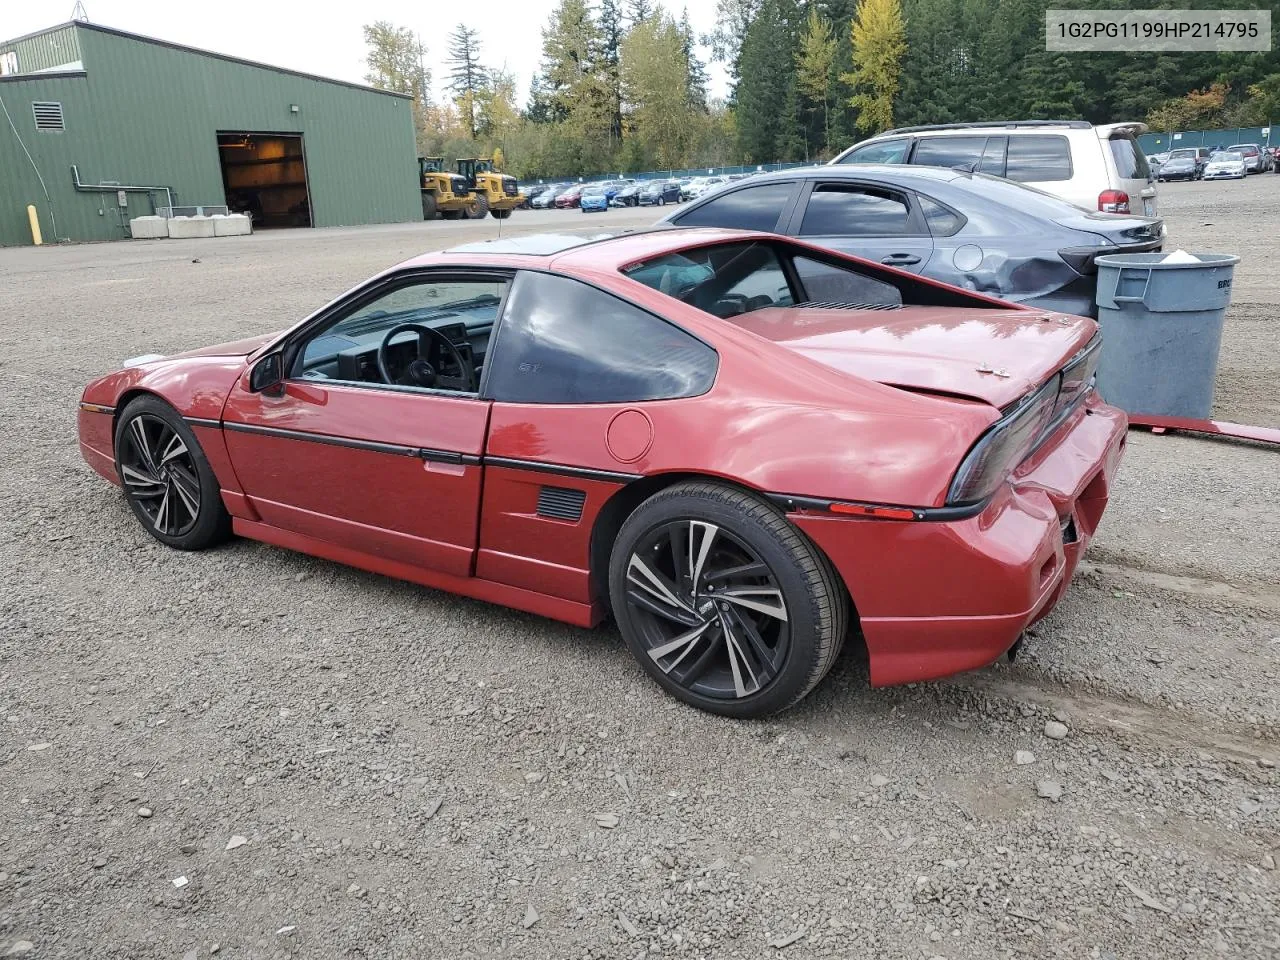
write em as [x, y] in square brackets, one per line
[257, 754]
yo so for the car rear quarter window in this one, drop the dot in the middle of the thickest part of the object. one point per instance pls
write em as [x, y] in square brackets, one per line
[964, 152]
[850, 210]
[882, 151]
[1039, 159]
[1131, 163]
[943, 221]
[751, 208]
[563, 341]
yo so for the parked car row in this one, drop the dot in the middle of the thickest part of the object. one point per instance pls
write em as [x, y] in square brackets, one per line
[1190, 163]
[624, 192]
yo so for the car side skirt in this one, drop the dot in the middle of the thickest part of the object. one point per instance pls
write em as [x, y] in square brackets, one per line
[578, 614]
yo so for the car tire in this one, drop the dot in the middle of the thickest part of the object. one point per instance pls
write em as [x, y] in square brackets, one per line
[759, 645]
[166, 478]
[662, 201]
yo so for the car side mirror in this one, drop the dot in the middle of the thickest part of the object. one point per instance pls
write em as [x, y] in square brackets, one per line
[267, 375]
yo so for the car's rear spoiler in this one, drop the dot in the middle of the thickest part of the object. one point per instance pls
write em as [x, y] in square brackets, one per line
[1107, 130]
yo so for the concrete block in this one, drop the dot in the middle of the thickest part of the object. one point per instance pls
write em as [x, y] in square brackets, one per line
[184, 228]
[148, 228]
[231, 225]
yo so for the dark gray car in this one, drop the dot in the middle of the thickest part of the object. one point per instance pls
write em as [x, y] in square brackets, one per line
[968, 229]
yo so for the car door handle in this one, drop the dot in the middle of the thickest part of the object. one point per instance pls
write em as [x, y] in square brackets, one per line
[900, 260]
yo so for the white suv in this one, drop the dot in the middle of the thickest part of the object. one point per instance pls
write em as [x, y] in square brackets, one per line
[1098, 168]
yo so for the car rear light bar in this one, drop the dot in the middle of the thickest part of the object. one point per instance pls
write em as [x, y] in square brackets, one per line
[1022, 429]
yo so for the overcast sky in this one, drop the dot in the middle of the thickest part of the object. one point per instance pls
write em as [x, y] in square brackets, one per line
[325, 38]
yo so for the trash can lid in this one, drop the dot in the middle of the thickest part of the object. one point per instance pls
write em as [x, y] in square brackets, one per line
[1178, 260]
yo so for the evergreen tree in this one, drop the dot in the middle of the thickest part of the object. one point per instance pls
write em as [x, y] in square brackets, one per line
[610, 40]
[879, 41]
[467, 78]
[733, 20]
[639, 11]
[697, 70]
[765, 85]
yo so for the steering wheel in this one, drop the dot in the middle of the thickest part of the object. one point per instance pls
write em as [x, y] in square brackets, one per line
[420, 371]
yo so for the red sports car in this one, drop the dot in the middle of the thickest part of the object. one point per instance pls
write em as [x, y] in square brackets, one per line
[742, 446]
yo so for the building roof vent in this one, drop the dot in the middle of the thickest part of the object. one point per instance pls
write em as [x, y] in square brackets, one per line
[48, 114]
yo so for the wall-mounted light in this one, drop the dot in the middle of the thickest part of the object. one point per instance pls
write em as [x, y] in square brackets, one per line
[294, 108]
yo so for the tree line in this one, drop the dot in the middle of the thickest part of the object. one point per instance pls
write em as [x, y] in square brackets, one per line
[623, 83]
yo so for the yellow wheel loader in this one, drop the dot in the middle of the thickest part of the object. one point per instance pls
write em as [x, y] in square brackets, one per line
[443, 193]
[493, 192]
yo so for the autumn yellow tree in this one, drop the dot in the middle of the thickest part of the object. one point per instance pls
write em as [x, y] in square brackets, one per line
[879, 42]
[814, 62]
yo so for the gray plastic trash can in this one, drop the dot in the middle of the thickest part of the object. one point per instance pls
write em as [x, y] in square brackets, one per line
[1161, 329]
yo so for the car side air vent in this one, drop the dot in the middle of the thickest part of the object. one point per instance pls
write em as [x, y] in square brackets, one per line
[561, 503]
[842, 305]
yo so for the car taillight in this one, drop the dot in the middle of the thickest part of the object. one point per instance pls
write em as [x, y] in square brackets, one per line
[1113, 201]
[1003, 447]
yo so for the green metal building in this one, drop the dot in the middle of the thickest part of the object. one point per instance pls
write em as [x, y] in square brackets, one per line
[98, 126]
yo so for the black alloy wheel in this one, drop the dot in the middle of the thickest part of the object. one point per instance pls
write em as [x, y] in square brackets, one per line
[723, 601]
[166, 478]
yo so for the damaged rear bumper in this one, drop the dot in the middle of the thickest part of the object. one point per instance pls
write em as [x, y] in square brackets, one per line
[938, 598]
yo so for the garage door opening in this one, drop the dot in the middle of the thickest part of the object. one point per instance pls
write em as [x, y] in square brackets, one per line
[265, 176]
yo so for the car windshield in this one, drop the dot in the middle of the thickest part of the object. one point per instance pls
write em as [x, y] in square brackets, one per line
[1226, 156]
[1182, 155]
[593, 192]
[1243, 148]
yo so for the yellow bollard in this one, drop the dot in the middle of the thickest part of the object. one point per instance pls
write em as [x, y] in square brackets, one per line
[35, 224]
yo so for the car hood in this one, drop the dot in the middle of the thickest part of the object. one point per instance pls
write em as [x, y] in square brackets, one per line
[995, 356]
[233, 348]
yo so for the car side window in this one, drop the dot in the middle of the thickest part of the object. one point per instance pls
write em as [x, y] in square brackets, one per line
[751, 208]
[851, 210]
[563, 341]
[962, 152]
[463, 309]
[883, 151]
[1038, 159]
[993, 156]
[827, 284]
[942, 221]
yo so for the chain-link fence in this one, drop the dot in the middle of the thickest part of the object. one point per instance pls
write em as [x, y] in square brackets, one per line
[1164, 142]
